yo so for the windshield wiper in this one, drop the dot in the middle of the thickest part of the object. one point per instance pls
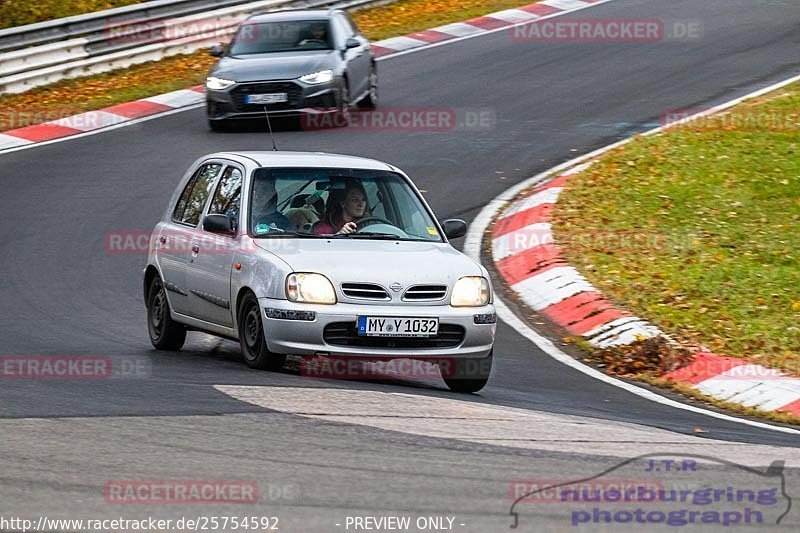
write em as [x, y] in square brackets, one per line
[370, 235]
[292, 234]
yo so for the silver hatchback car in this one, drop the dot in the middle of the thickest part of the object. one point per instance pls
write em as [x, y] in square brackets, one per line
[313, 254]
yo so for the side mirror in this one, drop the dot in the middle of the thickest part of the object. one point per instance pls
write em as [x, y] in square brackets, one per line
[217, 50]
[351, 43]
[219, 224]
[454, 228]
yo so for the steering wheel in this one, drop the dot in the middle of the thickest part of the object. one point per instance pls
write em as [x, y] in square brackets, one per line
[314, 41]
[369, 221]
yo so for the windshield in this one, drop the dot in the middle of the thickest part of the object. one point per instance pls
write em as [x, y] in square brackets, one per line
[284, 36]
[343, 203]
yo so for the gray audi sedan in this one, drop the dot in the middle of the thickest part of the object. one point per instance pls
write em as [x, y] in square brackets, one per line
[290, 63]
[317, 255]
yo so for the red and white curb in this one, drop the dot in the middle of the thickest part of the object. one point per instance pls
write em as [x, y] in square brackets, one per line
[526, 255]
[91, 121]
[101, 118]
[531, 263]
[737, 381]
[492, 22]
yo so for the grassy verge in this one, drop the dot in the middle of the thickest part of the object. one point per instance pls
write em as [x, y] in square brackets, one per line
[69, 97]
[698, 229]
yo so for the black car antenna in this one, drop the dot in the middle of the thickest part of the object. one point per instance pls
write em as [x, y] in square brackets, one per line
[269, 129]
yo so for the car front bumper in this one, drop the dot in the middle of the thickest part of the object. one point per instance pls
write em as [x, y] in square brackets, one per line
[302, 98]
[333, 327]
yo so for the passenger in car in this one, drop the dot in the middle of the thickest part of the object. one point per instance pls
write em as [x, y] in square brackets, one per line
[265, 217]
[343, 210]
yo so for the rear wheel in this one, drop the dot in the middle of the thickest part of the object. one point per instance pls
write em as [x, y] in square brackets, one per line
[251, 337]
[165, 333]
[466, 375]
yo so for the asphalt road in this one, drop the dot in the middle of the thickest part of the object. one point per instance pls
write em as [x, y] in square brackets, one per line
[354, 447]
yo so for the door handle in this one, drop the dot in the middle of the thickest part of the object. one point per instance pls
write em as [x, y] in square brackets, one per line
[195, 249]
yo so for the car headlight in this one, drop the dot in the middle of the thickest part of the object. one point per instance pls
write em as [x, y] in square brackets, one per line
[217, 84]
[323, 76]
[471, 291]
[310, 288]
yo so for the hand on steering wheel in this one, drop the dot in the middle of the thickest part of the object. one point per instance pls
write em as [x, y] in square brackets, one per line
[368, 221]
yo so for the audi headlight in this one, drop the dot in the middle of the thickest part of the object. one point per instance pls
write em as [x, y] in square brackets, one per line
[323, 76]
[310, 288]
[218, 84]
[471, 291]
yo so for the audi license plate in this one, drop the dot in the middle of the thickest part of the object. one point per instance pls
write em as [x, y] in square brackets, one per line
[382, 326]
[271, 98]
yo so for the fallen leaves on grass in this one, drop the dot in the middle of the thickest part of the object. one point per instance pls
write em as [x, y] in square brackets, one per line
[724, 201]
[21, 12]
[69, 97]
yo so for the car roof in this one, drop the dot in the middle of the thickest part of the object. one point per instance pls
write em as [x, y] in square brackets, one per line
[307, 159]
[278, 16]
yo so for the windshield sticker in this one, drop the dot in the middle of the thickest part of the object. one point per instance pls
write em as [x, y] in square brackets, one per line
[432, 231]
[261, 229]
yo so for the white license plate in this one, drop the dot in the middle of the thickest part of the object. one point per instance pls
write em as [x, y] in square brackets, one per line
[271, 98]
[393, 326]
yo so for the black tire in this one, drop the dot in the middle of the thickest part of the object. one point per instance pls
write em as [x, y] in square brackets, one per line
[165, 333]
[219, 125]
[466, 375]
[342, 118]
[370, 101]
[251, 337]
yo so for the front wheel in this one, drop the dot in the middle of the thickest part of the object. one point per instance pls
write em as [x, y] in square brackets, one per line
[219, 125]
[370, 101]
[165, 333]
[466, 375]
[251, 337]
[342, 115]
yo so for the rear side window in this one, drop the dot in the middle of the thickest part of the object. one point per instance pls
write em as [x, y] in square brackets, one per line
[227, 197]
[193, 198]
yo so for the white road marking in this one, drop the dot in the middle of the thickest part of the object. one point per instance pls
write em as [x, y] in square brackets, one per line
[184, 97]
[513, 15]
[550, 287]
[401, 43]
[9, 141]
[459, 29]
[451, 418]
[521, 240]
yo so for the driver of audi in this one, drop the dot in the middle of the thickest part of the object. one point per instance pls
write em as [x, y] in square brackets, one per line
[342, 215]
[318, 34]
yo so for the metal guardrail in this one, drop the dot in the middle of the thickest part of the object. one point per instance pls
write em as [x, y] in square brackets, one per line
[38, 54]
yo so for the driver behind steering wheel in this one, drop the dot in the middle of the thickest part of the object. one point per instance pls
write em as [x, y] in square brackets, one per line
[319, 34]
[343, 211]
